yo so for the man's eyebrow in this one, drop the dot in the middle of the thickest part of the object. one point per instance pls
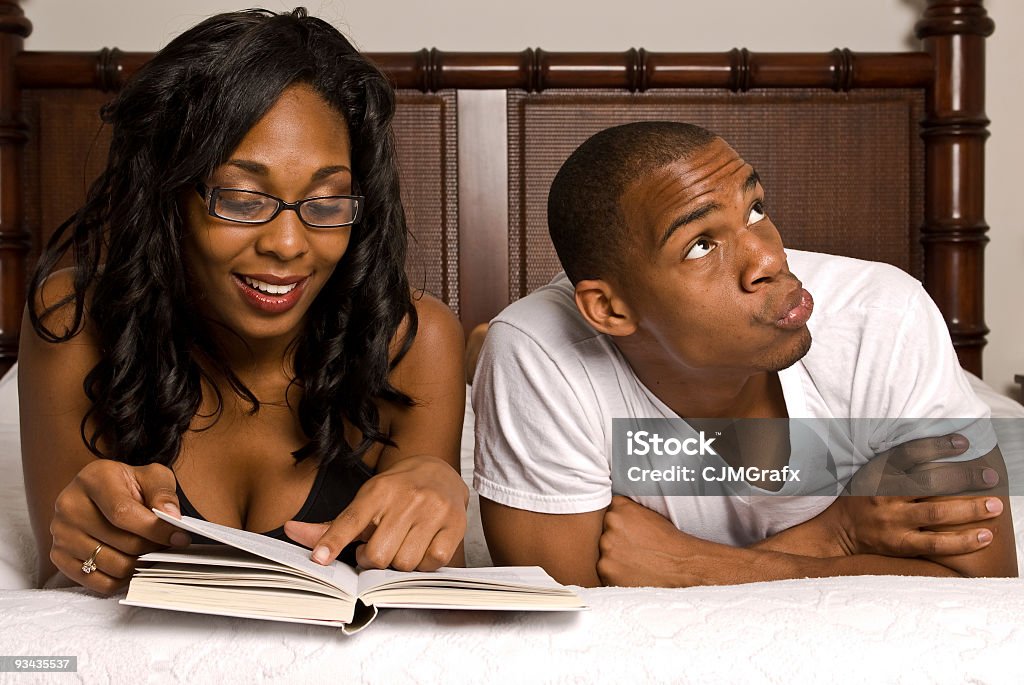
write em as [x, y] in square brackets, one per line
[262, 169]
[693, 216]
[752, 180]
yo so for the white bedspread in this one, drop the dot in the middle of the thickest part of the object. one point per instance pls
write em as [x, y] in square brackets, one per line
[843, 630]
[837, 630]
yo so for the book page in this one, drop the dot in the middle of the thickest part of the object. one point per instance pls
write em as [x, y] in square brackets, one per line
[243, 602]
[523, 588]
[532, 578]
[193, 569]
[338, 574]
[520, 588]
[474, 600]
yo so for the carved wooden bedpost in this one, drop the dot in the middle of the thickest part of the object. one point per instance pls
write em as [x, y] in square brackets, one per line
[14, 241]
[954, 131]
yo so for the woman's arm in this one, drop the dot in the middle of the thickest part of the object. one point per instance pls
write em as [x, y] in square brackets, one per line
[412, 514]
[75, 500]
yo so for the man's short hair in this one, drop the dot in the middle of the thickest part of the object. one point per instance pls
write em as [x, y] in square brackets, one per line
[585, 217]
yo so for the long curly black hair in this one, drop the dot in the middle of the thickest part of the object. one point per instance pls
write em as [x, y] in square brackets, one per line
[175, 121]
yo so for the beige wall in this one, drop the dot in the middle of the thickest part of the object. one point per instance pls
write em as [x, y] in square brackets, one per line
[883, 25]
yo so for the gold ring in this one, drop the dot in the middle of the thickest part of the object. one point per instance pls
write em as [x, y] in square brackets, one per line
[89, 565]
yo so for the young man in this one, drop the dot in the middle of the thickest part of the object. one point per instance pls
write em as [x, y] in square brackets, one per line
[679, 301]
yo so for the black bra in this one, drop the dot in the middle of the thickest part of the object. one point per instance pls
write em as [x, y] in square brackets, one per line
[334, 489]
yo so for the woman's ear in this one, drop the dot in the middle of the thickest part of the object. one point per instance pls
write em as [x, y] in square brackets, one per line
[603, 309]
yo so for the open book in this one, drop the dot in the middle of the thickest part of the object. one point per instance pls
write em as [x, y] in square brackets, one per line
[260, 577]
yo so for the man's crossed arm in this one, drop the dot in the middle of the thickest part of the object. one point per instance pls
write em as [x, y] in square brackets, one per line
[628, 544]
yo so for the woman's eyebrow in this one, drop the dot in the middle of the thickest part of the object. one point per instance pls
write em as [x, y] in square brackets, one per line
[261, 169]
[326, 171]
[250, 166]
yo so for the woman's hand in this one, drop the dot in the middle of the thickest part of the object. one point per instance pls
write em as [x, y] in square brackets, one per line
[412, 514]
[107, 507]
[411, 517]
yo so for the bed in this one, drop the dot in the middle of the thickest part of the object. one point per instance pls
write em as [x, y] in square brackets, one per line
[480, 136]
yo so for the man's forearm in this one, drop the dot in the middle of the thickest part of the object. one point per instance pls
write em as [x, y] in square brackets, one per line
[961, 547]
[641, 547]
[780, 566]
[820, 548]
[814, 538]
[708, 563]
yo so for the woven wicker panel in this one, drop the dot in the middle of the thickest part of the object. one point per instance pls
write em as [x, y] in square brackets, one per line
[425, 130]
[843, 173]
[67, 149]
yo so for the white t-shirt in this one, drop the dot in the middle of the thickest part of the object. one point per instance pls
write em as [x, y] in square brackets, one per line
[548, 385]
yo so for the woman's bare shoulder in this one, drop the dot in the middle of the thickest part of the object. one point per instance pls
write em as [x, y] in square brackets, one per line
[438, 330]
[439, 340]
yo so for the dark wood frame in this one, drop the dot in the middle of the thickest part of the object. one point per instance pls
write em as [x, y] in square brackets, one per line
[950, 70]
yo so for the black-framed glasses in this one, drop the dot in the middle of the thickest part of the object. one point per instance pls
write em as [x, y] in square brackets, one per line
[253, 207]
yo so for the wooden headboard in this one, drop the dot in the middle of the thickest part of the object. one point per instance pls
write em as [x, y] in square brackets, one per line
[872, 155]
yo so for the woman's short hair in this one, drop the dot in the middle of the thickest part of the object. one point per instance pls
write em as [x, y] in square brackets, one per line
[175, 121]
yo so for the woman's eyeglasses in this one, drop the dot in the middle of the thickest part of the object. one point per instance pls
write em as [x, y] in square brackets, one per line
[254, 207]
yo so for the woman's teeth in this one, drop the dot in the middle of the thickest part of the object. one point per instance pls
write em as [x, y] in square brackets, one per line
[269, 288]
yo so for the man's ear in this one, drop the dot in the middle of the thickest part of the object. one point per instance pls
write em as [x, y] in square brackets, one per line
[603, 309]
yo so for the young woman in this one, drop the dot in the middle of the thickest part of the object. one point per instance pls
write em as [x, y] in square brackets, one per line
[236, 339]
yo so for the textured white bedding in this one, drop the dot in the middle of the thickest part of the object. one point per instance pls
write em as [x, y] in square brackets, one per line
[850, 630]
[843, 630]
